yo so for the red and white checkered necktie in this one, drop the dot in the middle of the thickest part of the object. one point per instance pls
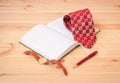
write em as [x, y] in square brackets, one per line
[82, 26]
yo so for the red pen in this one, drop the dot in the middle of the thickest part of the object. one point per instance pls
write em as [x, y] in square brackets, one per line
[85, 59]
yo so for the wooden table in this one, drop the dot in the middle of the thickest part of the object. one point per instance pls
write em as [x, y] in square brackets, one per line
[18, 16]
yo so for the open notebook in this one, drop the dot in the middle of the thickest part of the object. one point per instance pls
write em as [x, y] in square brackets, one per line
[52, 41]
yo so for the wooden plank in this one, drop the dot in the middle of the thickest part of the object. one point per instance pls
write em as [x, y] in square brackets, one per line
[53, 77]
[95, 65]
[58, 5]
[99, 18]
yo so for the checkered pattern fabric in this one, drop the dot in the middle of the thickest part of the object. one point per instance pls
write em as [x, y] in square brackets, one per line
[81, 24]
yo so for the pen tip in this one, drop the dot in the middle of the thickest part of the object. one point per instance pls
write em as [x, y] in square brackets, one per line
[74, 66]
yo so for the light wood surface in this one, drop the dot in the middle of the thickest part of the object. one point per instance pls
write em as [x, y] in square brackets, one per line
[18, 16]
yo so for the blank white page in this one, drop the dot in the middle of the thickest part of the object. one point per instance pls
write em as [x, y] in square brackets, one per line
[47, 42]
[59, 26]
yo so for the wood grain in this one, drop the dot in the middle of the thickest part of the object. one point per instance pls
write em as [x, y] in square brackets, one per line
[18, 16]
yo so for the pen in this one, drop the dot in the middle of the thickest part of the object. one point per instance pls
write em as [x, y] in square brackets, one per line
[85, 59]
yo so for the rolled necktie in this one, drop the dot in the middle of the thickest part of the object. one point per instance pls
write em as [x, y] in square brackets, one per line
[81, 24]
